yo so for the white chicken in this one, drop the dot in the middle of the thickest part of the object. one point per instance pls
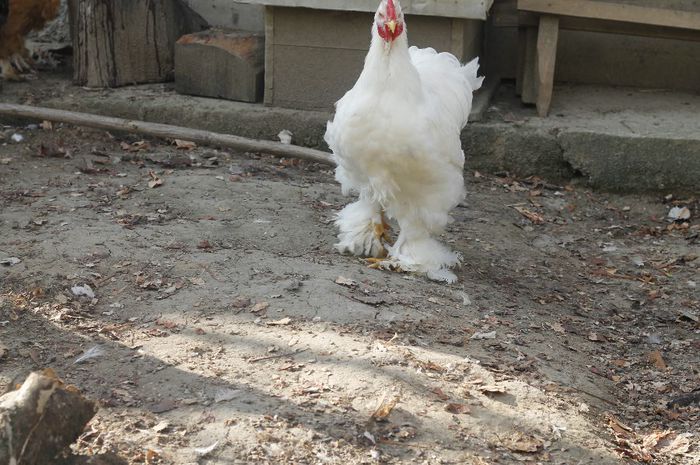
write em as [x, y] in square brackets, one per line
[396, 140]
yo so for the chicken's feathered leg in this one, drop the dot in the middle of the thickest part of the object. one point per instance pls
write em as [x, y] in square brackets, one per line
[416, 250]
[7, 71]
[363, 229]
[23, 61]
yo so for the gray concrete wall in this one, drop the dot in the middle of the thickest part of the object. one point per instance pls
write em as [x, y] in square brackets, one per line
[230, 15]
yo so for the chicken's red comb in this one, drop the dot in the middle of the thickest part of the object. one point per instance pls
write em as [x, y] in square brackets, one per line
[391, 10]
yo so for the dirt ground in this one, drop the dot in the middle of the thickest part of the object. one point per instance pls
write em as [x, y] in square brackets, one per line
[225, 329]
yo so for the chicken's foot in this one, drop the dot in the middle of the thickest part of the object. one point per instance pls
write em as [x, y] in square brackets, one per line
[383, 264]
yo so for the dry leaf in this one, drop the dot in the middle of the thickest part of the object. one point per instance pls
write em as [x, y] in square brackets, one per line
[535, 218]
[345, 281]
[520, 442]
[689, 315]
[155, 180]
[163, 406]
[618, 427]
[369, 299]
[162, 426]
[50, 150]
[385, 408]
[282, 322]
[184, 144]
[595, 337]
[657, 360]
[240, 302]
[151, 456]
[136, 146]
[679, 214]
[618, 362]
[167, 324]
[457, 408]
[674, 444]
[10, 261]
[488, 335]
[46, 125]
[650, 440]
[557, 327]
[259, 307]
[225, 394]
[440, 394]
[492, 389]
[428, 365]
[204, 244]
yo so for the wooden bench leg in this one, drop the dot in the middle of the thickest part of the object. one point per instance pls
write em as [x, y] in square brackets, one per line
[547, 38]
[528, 65]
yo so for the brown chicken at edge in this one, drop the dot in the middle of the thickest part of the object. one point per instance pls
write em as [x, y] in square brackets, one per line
[24, 17]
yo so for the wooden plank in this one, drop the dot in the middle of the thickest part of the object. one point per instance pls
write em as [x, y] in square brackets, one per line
[504, 13]
[613, 27]
[680, 5]
[529, 90]
[473, 40]
[547, 38]
[608, 60]
[466, 9]
[457, 38]
[269, 94]
[614, 12]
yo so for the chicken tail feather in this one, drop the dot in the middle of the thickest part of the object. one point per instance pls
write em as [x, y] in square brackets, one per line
[470, 70]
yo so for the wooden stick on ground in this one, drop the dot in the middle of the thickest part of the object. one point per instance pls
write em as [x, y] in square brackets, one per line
[167, 131]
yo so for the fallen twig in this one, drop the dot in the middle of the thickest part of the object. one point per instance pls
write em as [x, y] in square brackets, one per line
[270, 357]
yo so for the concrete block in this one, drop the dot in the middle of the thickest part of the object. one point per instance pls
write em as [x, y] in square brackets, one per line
[493, 147]
[633, 164]
[220, 64]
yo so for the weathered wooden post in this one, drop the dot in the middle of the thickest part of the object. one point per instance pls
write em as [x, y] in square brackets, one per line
[117, 42]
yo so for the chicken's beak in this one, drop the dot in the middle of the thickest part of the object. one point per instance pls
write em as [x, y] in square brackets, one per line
[392, 26]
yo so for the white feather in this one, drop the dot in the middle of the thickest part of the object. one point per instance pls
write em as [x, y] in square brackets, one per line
[396, 139]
